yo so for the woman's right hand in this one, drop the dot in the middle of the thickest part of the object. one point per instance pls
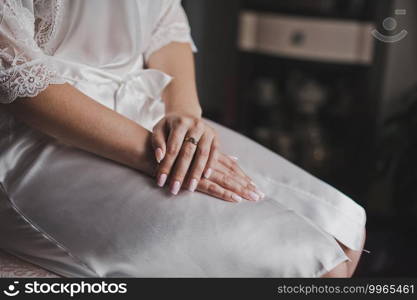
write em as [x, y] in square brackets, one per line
[228, 182]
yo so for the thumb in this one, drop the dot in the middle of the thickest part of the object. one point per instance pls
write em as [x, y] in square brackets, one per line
[159, 141]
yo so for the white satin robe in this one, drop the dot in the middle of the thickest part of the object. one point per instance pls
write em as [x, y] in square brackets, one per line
[77, 214]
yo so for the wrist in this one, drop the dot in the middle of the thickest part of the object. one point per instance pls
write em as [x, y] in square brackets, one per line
[143, 157]
[192, 111]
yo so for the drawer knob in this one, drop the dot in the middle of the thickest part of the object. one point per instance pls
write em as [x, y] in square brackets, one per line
[298, 38]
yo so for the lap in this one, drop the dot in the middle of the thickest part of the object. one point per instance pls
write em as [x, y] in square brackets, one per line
[86, 216]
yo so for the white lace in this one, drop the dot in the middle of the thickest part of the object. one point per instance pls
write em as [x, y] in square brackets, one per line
[172, 26]
[26, 32]
[24, 67]
[26, 81]
[48, 15]
[177, 32]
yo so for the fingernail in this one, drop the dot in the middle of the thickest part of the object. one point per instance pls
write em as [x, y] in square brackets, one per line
[193, 185]
[207, 174]
[176, 187]
[162, 179]
[253, 183]
[261, 194]
[236, 198]
[253, 196]
[159, 155]
[233, 157]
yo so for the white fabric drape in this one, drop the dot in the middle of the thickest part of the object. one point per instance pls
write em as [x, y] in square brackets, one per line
[81, 215]
[28, 38]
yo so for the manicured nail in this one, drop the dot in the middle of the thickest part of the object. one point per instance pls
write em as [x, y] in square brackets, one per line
[159, 155]
[176, 187]
[162, 179]
[253, 196]
[261, 194]
[207, 174]
[236, 198]
[193, 185]
[233, 157]
[253, 183]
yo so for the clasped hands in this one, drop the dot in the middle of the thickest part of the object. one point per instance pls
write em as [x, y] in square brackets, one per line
[187, 151]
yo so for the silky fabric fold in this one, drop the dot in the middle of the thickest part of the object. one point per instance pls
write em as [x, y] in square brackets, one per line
[136, 95]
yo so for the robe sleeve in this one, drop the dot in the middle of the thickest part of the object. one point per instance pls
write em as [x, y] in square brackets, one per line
[171, 26]
[25, 70]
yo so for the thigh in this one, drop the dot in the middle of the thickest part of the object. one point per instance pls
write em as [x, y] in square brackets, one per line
[80, 215]
[296, 189]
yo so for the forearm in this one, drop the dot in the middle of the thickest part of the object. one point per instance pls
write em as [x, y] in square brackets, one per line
[180, 96]
[72, 117]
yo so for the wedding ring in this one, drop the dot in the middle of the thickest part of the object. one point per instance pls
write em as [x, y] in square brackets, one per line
[191, 140]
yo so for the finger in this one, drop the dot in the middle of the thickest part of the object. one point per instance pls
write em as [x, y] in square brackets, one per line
[212, 158]
[184, 159]
[174, 144]
[241, 180]
[200, 161]
[232, 165]
[213, 189]
[239, 177]
[227, 164]
[159, 138]
[229, 182]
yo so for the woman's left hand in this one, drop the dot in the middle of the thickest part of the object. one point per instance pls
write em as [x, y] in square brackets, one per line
[184, 145]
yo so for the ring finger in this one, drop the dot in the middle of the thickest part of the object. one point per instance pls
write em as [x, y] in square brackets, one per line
[200, 161]
[184, 159]
[174, 144]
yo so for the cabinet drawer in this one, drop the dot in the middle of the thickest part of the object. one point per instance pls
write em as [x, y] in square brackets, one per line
[307, 38]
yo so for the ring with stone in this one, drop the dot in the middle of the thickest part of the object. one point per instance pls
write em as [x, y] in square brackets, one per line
[191, 140]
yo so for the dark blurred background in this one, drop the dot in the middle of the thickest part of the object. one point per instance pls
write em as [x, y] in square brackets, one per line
[308, 79]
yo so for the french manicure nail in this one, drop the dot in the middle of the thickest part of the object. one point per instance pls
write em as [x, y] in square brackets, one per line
[193, 185]
[162, 179]
[176, 187]
[253, 183]
[233, 157]
[261, 194]
[236, 198]
[253, 196]
[159, 155]
[207, 174]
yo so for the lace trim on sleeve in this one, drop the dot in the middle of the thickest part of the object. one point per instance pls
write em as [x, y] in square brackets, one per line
[48, 16]
[176, 32]
[26, 80]
[171, 26]
[25, 70]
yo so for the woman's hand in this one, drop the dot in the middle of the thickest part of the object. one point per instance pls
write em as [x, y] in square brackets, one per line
[228, 182]
[183, 145]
